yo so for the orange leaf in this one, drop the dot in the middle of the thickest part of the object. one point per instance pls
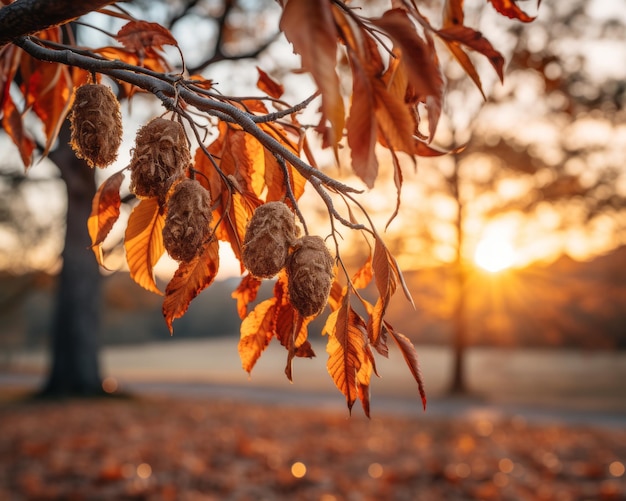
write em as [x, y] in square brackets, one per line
[142, 36]
[245, 293]
[105, 210]
[310, 28]
[143, 242]
[453, 13]
[346, 350]
[256, 331]
[364, 274]
[190, 279]
[410, 357]
[268, 85]
[510, 9]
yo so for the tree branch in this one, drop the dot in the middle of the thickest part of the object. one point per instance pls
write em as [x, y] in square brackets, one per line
[168, 86]
[29, 16]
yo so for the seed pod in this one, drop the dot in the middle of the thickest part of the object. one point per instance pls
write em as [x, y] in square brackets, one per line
[187, 223]
[96, 125]
[270, 233]
[159, 159]
[310, 275]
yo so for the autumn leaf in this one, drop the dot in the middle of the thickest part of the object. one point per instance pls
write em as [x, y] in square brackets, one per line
[473, 39]
[453, 13]
[268, 85]
[410, 356]
[143, 242]
[510, 9]
[310, 28]
[13, 125]
[363, 276]
[395, 122]
[256, 331]
[245, 293]
[144, 37]
[418, 60]
[189, 280]
[48, 90]
[362, 126]
[105, 210]
[346, 350]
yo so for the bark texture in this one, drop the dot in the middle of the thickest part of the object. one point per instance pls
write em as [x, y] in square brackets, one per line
[25, 17]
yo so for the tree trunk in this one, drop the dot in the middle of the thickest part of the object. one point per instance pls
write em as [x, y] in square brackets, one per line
[75, 369]
[459, 323]
[459, 326]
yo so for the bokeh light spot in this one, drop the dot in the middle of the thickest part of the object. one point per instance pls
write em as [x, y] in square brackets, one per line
[144, 470]
[375, 470]
[617, 469]
[506, 465]
[109, 385]
[298, 469]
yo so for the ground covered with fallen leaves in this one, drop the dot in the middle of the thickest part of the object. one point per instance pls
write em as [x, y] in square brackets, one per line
[196, 449]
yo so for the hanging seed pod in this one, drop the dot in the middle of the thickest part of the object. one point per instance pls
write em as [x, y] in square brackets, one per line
[187, 223]
[310, 275]
[160, 157]
[96, 124]
[270, 233]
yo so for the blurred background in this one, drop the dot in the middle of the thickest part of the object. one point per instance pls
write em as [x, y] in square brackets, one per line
[514, 250]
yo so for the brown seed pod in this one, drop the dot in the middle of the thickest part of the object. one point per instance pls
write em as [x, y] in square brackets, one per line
[270, 233]
[187, 223]
[96, 124]
[160, 157]
[310, 275]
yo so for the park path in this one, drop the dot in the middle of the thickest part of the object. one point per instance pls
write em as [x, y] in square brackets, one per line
[575, 386]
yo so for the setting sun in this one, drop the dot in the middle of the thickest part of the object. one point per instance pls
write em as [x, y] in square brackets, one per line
[494, 254]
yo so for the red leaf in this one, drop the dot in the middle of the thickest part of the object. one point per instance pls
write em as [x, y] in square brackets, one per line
[268, 85]
[410, 357]
[143, 242]
[510, 9]
[453, 13]
[105, 210]
[310, 28]
[189, 280]
[14, 127]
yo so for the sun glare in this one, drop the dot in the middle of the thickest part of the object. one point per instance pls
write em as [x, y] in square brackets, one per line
[494, 254]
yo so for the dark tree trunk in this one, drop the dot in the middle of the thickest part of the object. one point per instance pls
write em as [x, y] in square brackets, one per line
[459, 323]
[75, 369]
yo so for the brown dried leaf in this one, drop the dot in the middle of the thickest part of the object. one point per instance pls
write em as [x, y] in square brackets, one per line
[142, 36]
[190, 279]
[455, 35]
[410, 357]
[310, 28]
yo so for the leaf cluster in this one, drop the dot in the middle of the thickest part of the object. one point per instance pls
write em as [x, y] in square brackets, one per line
[254, 150]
